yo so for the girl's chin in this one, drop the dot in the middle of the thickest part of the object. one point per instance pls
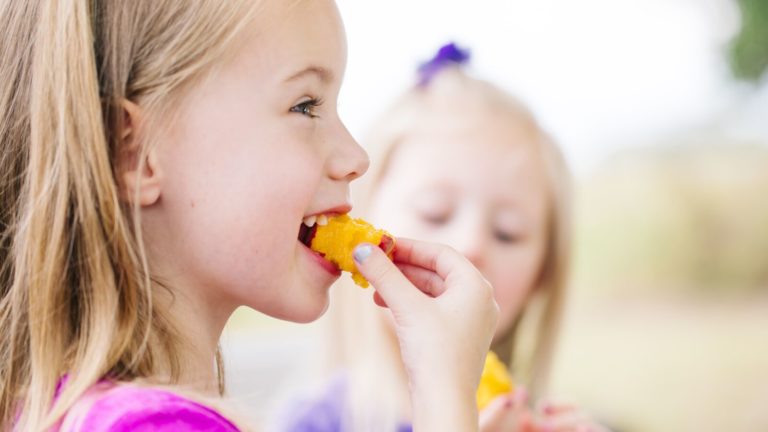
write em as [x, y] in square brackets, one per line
[309, 315]
[303, 311]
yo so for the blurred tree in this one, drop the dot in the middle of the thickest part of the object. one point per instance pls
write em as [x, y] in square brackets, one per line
[749, 50]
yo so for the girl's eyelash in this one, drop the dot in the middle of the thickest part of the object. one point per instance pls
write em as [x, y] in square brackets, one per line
[307, 108]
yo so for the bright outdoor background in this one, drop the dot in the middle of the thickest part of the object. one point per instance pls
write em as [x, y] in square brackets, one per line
[662, 109]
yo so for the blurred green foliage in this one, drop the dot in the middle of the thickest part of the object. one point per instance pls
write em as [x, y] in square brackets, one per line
[690, 218]
[749, 50]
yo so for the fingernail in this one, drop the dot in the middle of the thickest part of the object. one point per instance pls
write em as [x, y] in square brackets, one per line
[522, 394]
[362, 252]
[387, 244]
[509, 402]
[549, 408]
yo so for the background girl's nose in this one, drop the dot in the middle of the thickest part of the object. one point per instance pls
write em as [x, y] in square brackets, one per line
[474, 253]
[349, 160]
[471, 242]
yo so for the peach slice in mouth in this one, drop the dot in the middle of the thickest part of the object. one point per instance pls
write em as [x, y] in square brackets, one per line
[307, 232]
[336, 237]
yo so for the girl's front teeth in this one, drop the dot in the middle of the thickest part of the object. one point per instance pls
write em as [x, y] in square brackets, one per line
[310, 221]
[322, 220]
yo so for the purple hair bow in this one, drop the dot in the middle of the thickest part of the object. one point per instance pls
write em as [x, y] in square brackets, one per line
[447, 55]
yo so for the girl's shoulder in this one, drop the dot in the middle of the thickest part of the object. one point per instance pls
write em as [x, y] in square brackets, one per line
[127, 407]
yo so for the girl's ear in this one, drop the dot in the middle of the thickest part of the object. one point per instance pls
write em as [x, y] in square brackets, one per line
[140, 180]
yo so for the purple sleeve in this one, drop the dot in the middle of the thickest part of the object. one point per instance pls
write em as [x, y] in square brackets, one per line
[142, 409]
[321, 414]
[326, 413]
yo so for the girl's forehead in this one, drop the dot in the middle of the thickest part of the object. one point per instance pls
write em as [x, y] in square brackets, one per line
[492, 123]
[477, 164]
[291, 36]
[489, 143]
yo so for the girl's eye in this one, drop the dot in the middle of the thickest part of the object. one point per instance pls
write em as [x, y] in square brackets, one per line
[307, 108]
[435, 218]
[506, 237]
[433, 207]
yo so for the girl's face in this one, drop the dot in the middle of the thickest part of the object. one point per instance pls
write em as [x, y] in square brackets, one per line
[479, 188]
[258, 147]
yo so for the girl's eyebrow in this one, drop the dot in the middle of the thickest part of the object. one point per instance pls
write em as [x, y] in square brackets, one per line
[323, 74]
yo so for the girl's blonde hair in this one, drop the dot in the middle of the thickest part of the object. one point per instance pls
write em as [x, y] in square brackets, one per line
[362, 345]
[76, 294]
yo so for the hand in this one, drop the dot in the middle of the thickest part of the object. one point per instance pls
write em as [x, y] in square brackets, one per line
[508, 413]
[444, 315]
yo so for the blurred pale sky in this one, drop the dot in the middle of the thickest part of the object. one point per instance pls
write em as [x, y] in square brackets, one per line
[600, 75]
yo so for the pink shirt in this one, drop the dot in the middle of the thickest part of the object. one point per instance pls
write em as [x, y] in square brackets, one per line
[125, 407]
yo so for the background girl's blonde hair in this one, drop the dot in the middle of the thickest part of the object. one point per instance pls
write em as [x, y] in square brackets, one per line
[75, 288]
[362, 345]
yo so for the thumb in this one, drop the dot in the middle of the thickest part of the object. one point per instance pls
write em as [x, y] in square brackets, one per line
[391, 285]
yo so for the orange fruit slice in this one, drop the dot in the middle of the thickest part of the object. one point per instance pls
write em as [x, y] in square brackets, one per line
[494, 381]
[338, 238]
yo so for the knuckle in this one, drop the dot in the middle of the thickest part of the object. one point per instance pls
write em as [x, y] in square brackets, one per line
[448, 251]
[461, 258]
[485, 288]
[381, 273]
[488, 299]
[495, 311]
[434, 284]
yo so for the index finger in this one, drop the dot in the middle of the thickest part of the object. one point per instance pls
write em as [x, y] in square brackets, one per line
[431, 256]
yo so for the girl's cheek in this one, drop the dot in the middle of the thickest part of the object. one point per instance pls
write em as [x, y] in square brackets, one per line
[517, 275]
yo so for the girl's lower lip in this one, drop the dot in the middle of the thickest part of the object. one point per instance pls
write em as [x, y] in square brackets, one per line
[324, 263]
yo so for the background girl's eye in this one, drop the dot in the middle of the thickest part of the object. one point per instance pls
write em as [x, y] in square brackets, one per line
[433, 207]
[307, 108]
[506, 237]
[435, 218]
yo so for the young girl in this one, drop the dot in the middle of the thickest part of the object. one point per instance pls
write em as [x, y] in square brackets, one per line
[158, 158]
[463, 163]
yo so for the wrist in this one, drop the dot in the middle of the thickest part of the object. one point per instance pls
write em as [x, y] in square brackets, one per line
[443, 403]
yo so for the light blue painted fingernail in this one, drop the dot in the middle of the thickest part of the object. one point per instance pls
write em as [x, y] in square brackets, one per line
[362, 253]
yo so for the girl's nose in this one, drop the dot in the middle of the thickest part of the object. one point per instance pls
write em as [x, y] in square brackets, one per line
[349, 160]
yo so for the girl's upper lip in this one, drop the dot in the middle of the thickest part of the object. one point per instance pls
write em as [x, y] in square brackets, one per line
[333, 211]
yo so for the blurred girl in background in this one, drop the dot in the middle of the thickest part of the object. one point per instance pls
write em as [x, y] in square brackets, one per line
[458, 161]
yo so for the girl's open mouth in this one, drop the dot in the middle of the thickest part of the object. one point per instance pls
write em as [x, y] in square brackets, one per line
[306, 234]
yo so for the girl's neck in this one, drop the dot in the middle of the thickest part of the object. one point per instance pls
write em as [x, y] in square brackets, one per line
[200, 324]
